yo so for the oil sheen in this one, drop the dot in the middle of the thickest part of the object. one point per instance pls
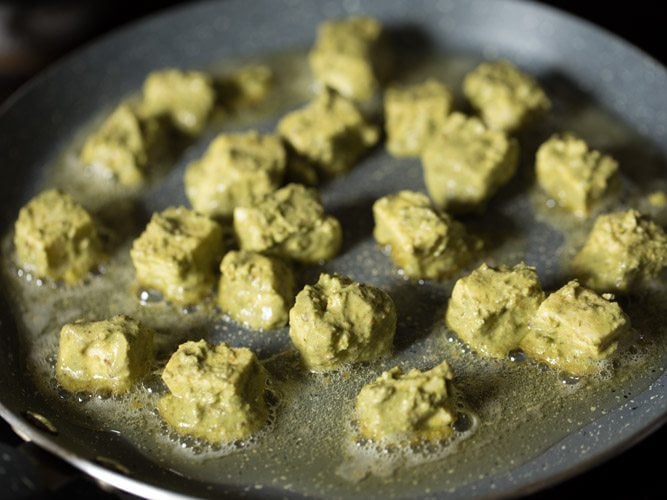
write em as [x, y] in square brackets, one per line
[514, 409]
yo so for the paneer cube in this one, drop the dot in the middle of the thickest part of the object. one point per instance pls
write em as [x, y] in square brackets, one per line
[655, 205]
[178, 254]
[337, 321]
[124, 145]
[237, 170]
[505, 96]
[348, 56]
[217, 393]
[246, 86]
[466, 163]
[574, 176]
[329, 132]
[414, 115]
[424, 242]
[413, 406]
[289, 223]
[103, 356]
[256, 290]
[623, 251]
[56, 238]
[574, 329]
[187, 97]
[490, 309]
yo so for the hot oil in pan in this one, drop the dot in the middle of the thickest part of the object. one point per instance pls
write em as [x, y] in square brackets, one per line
[512, 409]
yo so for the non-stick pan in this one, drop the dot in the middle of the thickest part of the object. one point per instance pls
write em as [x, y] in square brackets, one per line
[548, 426]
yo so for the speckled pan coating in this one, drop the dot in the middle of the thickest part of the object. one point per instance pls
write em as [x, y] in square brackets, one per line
[39, 120]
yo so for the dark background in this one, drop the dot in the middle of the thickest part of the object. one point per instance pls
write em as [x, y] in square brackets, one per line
[35, 33]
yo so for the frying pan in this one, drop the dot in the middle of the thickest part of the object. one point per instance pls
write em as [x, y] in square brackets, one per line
[575, 60]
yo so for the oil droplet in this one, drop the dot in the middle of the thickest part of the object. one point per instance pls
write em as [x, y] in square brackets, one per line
[84, 397]
[568, 379]
[462, 423]
[189, 309]
[149, 297]
[517, 356]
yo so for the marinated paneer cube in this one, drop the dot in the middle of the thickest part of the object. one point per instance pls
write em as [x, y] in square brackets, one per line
[217, 393]
[348, 56]
[178, 254]
[573, 175]
[237, 170]
[414, 114]
[623, 250]
[466, 163]
[657, 199]
[655, 205]
[103, 356]
[574, 329]
[256, 290]
[424, 242]
[289, 223]
[124, 144]
[490, 309]
[413, 406]
[337, 321]
[56, 238]
[247, 85]
[505, 97]
[329, 132]
[187, 97]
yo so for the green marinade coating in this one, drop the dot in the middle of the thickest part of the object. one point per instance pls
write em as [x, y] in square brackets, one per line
[505, 97]
[178, 254]
[576, 177]
[217, 393]
[414, 406]
[329, 132]
[56, 238]
[466, 163]
[414, 114]
[186, 97]
[348, 56]
[423, 242]
[337, 321]
[236, 170]
[574, 328]
[124, 144]
[256, 290]
[623, 250]
[490, 309]
[289, 223]
[103, 356]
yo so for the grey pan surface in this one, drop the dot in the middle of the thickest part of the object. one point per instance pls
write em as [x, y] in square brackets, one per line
[40, 120]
